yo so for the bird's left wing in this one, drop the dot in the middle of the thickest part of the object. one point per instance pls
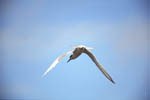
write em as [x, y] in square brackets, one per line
[56, 62]
[98, 65]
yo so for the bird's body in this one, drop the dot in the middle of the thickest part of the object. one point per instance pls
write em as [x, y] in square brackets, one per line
[76, 53]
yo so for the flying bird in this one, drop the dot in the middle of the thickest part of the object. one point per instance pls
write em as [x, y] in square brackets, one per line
[77, 51]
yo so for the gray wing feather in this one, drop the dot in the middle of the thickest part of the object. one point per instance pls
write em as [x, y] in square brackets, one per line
[98, 65]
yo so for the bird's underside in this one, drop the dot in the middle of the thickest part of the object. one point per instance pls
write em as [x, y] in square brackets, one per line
[76, 53]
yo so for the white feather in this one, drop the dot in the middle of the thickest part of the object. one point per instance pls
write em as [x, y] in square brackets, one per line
[51, 67]
[56, 62]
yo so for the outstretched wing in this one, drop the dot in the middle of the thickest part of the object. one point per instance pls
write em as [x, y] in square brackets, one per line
[56, 62]
[98, 65]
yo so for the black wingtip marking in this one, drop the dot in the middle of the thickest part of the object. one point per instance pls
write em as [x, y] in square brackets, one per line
[113, 82]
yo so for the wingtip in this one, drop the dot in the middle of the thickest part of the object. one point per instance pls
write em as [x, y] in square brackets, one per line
[113, 82]
[42, 76]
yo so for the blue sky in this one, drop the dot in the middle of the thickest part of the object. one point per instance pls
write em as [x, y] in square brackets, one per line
[35, 32]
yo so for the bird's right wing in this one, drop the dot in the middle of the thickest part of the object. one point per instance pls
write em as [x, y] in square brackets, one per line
[98, 65]
[56, 62]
